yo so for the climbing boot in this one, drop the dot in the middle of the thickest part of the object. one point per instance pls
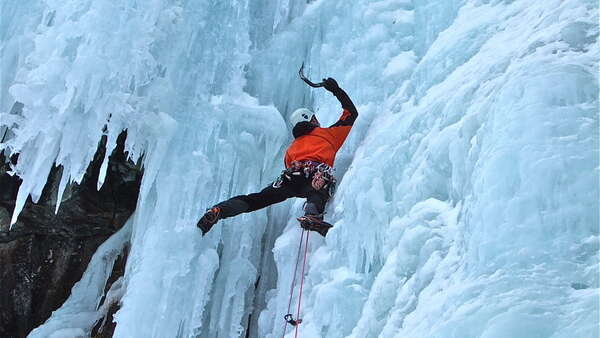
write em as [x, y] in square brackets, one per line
[315, 223]
[209, 219]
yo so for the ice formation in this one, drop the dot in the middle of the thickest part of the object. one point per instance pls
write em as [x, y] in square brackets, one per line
[468, 195]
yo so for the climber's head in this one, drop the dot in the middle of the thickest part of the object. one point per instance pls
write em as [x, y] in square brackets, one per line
[303, 121]
[303, 115]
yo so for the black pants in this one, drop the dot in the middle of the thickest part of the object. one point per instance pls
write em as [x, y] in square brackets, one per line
[298, 186]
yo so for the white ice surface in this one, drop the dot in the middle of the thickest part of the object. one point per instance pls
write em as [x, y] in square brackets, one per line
[468, 197]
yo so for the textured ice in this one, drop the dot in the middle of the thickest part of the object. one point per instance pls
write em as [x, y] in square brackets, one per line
[468, 191]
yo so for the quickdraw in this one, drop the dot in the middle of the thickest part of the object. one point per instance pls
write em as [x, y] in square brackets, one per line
[289, 318]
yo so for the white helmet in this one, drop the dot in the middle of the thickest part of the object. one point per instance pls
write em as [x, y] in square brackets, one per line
[301, 115]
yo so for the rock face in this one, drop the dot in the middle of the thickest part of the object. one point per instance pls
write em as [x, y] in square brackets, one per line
[45, 253]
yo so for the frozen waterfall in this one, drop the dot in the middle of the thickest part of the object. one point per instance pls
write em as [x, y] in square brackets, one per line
[468, 195]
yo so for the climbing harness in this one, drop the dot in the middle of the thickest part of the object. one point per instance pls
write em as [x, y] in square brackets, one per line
[322, 175]
[289, 318]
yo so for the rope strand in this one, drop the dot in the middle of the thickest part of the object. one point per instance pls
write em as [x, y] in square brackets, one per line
[302, 282]
[294, 279]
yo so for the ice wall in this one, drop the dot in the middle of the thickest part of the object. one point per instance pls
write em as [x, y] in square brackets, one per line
[468, 195]
[470, 206]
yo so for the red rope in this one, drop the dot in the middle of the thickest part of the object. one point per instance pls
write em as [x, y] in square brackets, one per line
[302, 282]
[294, 279]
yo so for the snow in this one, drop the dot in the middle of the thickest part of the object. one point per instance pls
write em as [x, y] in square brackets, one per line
[467, 203]
[400, 65]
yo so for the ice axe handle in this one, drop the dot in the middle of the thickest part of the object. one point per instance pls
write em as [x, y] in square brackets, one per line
[309, 82]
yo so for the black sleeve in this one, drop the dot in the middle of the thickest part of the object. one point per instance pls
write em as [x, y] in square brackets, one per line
[345, 120]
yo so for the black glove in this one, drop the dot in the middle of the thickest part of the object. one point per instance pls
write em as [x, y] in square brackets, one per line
[331, 85]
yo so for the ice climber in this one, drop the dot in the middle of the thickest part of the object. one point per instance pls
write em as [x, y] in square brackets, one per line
[308, 174]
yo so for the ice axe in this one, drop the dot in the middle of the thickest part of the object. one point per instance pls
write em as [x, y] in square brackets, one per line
[309, 82]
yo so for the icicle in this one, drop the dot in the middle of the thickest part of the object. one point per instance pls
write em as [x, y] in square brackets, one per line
[64, 181]
[103, 170]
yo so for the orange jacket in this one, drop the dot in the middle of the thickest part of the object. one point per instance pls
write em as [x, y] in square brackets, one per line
[322, 144]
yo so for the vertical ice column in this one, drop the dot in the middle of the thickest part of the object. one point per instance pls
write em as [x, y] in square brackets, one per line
[222, 143]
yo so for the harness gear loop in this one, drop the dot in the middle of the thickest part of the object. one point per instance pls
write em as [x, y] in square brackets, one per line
[318, 181]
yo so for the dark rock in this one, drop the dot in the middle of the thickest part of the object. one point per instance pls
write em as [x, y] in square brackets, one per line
[45, 254]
